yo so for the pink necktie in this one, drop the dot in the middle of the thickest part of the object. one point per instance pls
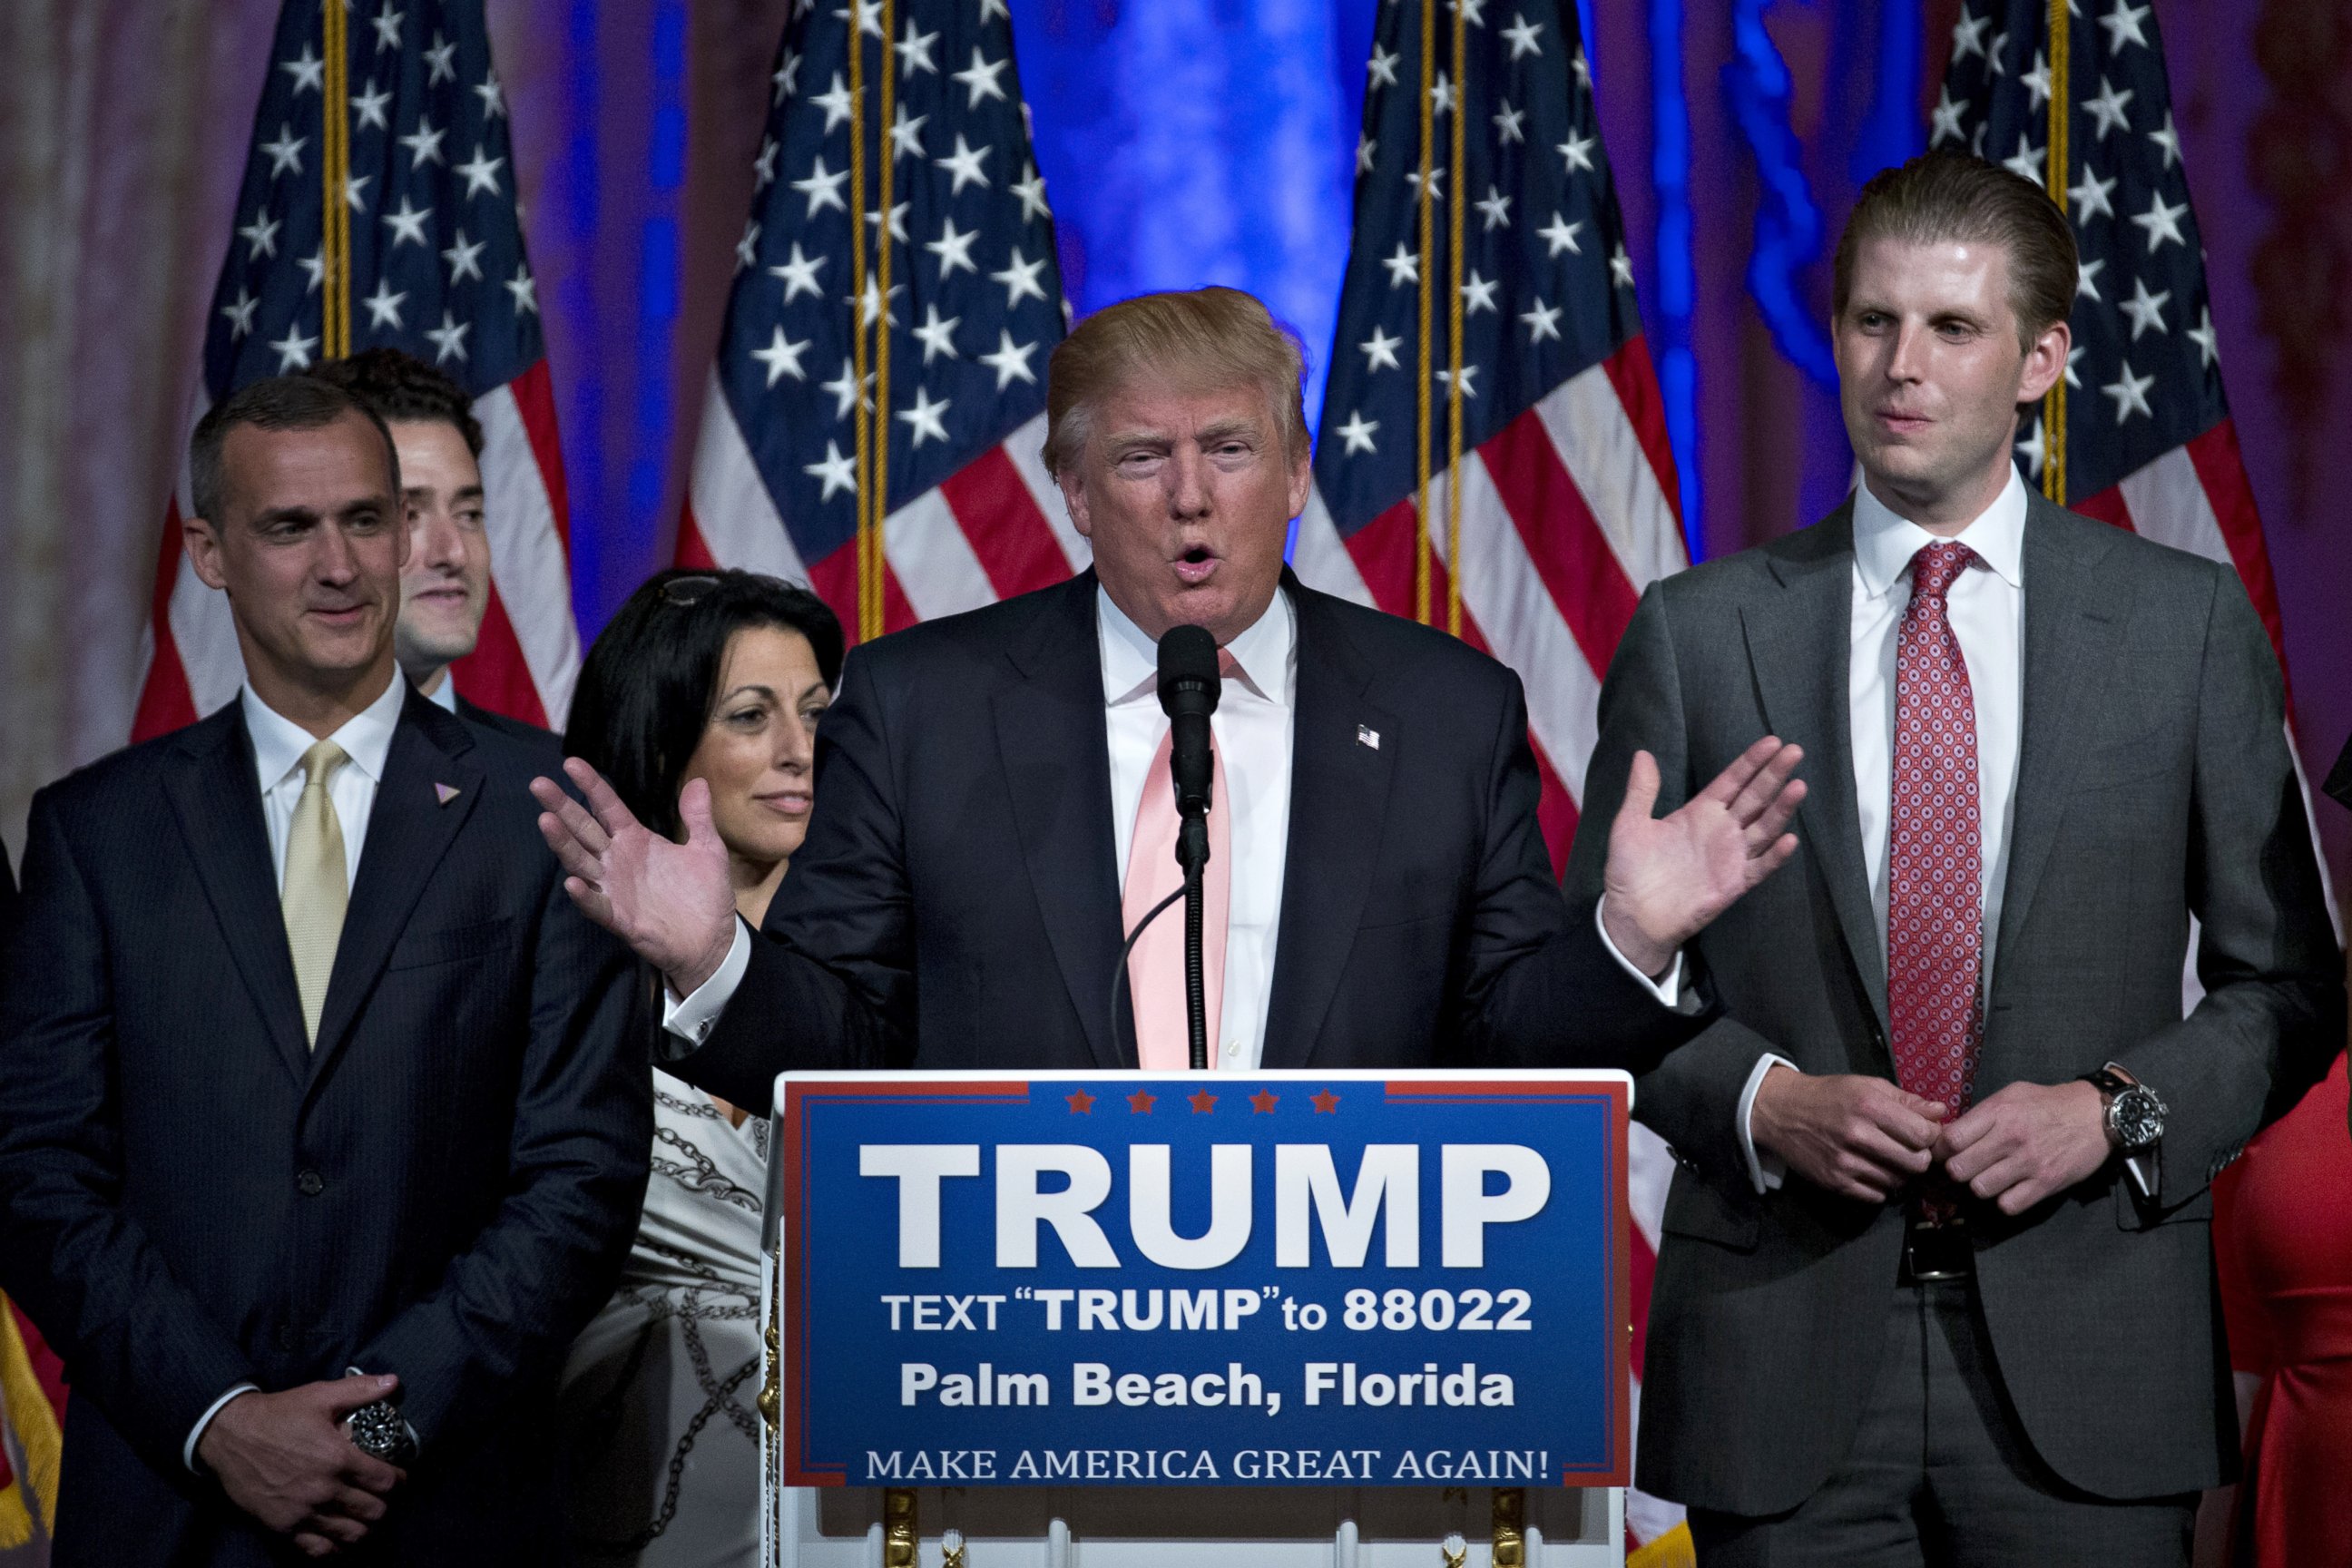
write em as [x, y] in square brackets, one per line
[1155, 970]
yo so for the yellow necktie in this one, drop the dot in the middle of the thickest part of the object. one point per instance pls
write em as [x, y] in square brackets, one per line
[317, 888]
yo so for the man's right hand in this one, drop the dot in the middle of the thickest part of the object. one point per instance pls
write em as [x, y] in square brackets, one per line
[1851, 1134]
[672, 902]
[286, 1459]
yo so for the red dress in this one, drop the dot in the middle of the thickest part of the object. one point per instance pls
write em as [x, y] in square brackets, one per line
[2283, 1238]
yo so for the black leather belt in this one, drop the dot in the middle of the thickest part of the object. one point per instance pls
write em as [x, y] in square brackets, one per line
[1937, 1252]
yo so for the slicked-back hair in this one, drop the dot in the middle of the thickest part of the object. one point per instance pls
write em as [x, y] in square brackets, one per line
[647, 684]
[275, 403]
[1206, 338]
[402, 386]
[1945, 197]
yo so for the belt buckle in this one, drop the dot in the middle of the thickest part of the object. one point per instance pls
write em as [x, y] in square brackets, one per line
[1934, 1253]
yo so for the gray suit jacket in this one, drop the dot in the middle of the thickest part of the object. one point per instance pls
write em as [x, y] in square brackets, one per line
[2154, 784]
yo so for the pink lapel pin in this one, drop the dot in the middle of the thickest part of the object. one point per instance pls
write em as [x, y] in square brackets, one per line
[447, 792]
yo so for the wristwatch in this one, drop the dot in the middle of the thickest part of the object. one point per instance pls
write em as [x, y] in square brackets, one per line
[2134, 1112]
[379, 1431]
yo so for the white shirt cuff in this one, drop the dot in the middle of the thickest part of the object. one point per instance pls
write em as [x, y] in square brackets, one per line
[690, 1018]
[196, 1433]
[1766, 1170]
[1668, 991]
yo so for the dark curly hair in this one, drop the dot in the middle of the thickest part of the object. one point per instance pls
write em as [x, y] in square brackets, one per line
[401, 387]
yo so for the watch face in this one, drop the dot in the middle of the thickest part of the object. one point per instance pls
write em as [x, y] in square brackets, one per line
[2138, 1118]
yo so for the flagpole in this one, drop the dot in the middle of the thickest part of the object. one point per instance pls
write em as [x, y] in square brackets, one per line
[870, 611]
[862, 421]
[1425, 276]
[1454, 326]
[2053, 402]
[334, 213]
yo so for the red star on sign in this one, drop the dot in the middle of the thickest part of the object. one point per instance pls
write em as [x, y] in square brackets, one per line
[1326, 1104]
[1201, 1104]
[1140, 1102]
[1261, 1102]
[1081, 1103]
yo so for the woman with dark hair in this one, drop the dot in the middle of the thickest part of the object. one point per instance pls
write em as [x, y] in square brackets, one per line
[718, 676]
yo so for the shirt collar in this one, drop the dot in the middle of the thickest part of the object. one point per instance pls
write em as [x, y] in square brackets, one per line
[278, 742]
[444, 696]
[1130, 659]
[1885, 540]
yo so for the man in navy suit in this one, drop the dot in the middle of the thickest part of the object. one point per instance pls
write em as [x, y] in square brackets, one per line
[323, 1116]
[991, 788]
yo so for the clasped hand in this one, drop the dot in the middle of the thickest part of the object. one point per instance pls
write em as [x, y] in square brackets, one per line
[286, 1459]
[1862, 1137]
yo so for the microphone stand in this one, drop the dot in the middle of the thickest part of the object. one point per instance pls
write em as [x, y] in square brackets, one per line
[1192, 854]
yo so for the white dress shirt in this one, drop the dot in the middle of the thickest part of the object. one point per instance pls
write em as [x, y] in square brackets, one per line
[443, 695]
[278, 743]
[1253, 728]
[1987, 609]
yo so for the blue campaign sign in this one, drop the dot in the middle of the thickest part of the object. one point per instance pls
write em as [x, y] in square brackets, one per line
[1398, 1279]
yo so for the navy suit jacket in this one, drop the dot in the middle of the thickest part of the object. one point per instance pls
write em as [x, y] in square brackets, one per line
[192, 1197]
[955, 904]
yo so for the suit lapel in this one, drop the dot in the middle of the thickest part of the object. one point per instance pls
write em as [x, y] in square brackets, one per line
[409, 829]
[1339, 800]
[1055, 753]
[2071, 624]
[1799, 646]
[216, 798]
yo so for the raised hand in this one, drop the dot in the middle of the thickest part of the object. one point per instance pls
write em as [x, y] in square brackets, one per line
[1854, 1135]
[1669, 876]
[672, 902]
[286, 1459]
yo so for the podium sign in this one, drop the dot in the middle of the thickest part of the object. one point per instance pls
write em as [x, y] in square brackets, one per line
[1409, 1279]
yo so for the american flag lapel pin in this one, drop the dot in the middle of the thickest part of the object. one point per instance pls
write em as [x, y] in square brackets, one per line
[447, 792]
[1368, 736]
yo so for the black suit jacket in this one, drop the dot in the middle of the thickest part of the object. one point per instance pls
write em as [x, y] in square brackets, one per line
[191, 1197]
[955, 904]
[513, 729]
[2153, 783]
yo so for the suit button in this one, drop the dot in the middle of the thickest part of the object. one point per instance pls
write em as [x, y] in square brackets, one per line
[310, 1184]
[283, 1338]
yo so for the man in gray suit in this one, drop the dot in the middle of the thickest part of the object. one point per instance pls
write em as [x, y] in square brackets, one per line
[1936, 1278]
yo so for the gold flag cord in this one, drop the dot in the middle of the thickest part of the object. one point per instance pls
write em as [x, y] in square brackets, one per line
[861, 411]
[2054, 402]
[1454, 392]
[334, 212]
[869, 603]
[1426, 276]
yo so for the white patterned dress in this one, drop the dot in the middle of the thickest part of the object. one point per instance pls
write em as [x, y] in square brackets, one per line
[659, 1419]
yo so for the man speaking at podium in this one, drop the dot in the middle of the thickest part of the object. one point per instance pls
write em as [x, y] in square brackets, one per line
[993, 806]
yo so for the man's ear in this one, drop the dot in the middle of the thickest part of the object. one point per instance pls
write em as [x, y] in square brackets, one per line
[1302, 481]
[203, 544]
[2045, 362]
[1074, 496]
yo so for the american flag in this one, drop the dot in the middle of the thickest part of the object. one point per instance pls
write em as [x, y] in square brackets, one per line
[1566, 499]
[951, 412]
[388, 119]
[2145, 440]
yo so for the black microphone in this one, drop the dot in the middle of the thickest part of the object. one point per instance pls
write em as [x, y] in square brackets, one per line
[1189, 687]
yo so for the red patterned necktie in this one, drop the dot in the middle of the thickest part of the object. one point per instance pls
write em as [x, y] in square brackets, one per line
[1935, 890]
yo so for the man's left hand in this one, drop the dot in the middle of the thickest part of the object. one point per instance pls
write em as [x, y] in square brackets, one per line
[1669, 876]
[2026, 1141]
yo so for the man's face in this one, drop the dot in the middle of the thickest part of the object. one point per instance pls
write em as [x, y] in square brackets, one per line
[310, 554]
[1930, 373]
[1187, 497]
[447, 585]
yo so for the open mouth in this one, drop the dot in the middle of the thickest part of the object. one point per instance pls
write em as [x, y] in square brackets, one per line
[1196, 564]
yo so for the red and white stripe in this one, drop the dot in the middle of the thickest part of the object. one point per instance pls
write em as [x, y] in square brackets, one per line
[529, 653]
[994, 528]
[1568, 514]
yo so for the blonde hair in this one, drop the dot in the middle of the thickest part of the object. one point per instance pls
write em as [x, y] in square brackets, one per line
[1206, 338]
